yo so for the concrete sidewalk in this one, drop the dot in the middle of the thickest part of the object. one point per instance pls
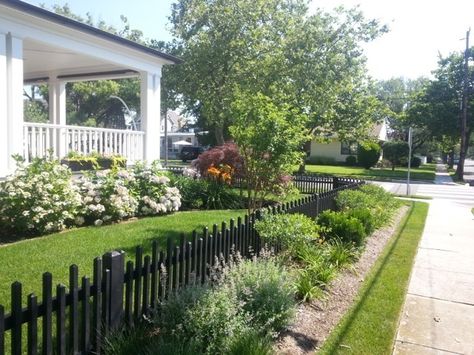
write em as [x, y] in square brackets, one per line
[438, 315]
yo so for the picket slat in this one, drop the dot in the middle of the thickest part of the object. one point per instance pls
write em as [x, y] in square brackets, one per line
[97, 306]
[86, 316]
[138, 282]
[146, 285]
[61, 320]
[2, 330]
[154, 275]
[129, 293]
[32, 325]
[73, 312]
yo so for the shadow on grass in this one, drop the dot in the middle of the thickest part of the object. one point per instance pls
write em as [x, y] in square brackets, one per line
[161, 237]
[347, 322]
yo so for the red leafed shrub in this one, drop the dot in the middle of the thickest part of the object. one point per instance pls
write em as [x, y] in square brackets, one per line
[226, 154]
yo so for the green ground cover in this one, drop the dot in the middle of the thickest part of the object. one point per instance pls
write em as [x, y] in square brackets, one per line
[424, 172]
[26, 261]
[372, 321]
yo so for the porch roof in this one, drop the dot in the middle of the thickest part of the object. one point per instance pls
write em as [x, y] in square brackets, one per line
[70, 49]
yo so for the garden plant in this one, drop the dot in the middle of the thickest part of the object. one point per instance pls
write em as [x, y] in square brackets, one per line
[42, 197]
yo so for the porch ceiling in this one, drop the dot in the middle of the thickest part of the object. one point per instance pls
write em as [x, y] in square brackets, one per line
[41, 60]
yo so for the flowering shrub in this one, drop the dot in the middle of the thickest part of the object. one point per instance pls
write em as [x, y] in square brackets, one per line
[114, 195]
[38, 198]
[226, 154]
[191, 172]
[153, 192]
[105, 198]
[42, 197]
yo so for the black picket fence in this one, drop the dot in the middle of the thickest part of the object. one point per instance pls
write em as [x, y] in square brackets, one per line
[77, 319]
[305, 183]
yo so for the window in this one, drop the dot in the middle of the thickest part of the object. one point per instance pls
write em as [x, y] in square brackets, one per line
[348, 148]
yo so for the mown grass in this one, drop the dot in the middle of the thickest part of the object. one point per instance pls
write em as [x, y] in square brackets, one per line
[419, 197]
[370, 325]
[26, 261]
[424, 172]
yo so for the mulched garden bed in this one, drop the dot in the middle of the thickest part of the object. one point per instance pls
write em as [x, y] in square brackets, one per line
[314, 321]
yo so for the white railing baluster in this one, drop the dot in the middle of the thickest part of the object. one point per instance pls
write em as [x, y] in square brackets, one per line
[38, 138]
[34, 147]
[48, 138]
[26, 146]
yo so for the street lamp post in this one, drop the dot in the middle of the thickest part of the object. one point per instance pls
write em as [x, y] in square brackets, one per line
[131, 119]
[409, 159]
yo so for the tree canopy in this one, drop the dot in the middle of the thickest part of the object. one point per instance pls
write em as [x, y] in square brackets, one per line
[436, 109]
[313, 63]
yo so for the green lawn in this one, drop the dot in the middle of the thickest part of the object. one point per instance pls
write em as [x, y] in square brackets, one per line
[27, 260]
[424, 172]
[370, 326]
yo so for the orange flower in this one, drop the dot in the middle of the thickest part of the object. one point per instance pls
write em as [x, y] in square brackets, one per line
[223, 173]
[212, 171]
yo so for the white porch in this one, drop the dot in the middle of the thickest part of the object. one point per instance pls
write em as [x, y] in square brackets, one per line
[40, 139]
[37, 46]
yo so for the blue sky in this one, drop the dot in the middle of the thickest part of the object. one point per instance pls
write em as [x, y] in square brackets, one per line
[420, 29]
[149, 16]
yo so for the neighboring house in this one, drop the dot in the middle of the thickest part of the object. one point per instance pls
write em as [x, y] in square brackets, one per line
[174, 122]
[38, 46]
[337, 151]
[176, 132]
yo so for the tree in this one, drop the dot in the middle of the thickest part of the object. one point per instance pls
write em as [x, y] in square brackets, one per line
[395, 151]
[399, 94]
[314, 63]
[436, 110]
[456, 73]
[337, 96]
[269, 138]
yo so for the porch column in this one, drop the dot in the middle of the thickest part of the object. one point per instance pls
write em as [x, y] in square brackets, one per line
[150, 106]
[3, 106]
[57, 114]
[14, 98]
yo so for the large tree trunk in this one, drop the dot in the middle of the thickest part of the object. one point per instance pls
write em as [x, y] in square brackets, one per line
[219, 132]
[451, 159]
[463, 153]
[307, 151]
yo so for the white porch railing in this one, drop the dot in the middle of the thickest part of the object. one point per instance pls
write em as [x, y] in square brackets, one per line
[38, 138]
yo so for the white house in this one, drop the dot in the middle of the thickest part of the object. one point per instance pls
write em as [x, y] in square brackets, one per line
[38, 46]
[175, 133]
[336, 150]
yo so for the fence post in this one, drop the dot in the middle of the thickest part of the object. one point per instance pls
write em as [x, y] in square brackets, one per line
[335, 182]
[115, 262]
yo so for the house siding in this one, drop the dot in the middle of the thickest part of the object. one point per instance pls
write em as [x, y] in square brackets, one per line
[330, 150]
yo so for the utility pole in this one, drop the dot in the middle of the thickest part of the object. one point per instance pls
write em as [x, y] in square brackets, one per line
[410, 132]
[464, 137]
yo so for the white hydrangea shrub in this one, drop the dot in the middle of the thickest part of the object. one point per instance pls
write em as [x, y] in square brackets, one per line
[105, 197]
[38, 198]
[154, 193]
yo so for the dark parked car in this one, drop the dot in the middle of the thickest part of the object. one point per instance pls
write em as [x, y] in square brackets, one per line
[190, 153]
